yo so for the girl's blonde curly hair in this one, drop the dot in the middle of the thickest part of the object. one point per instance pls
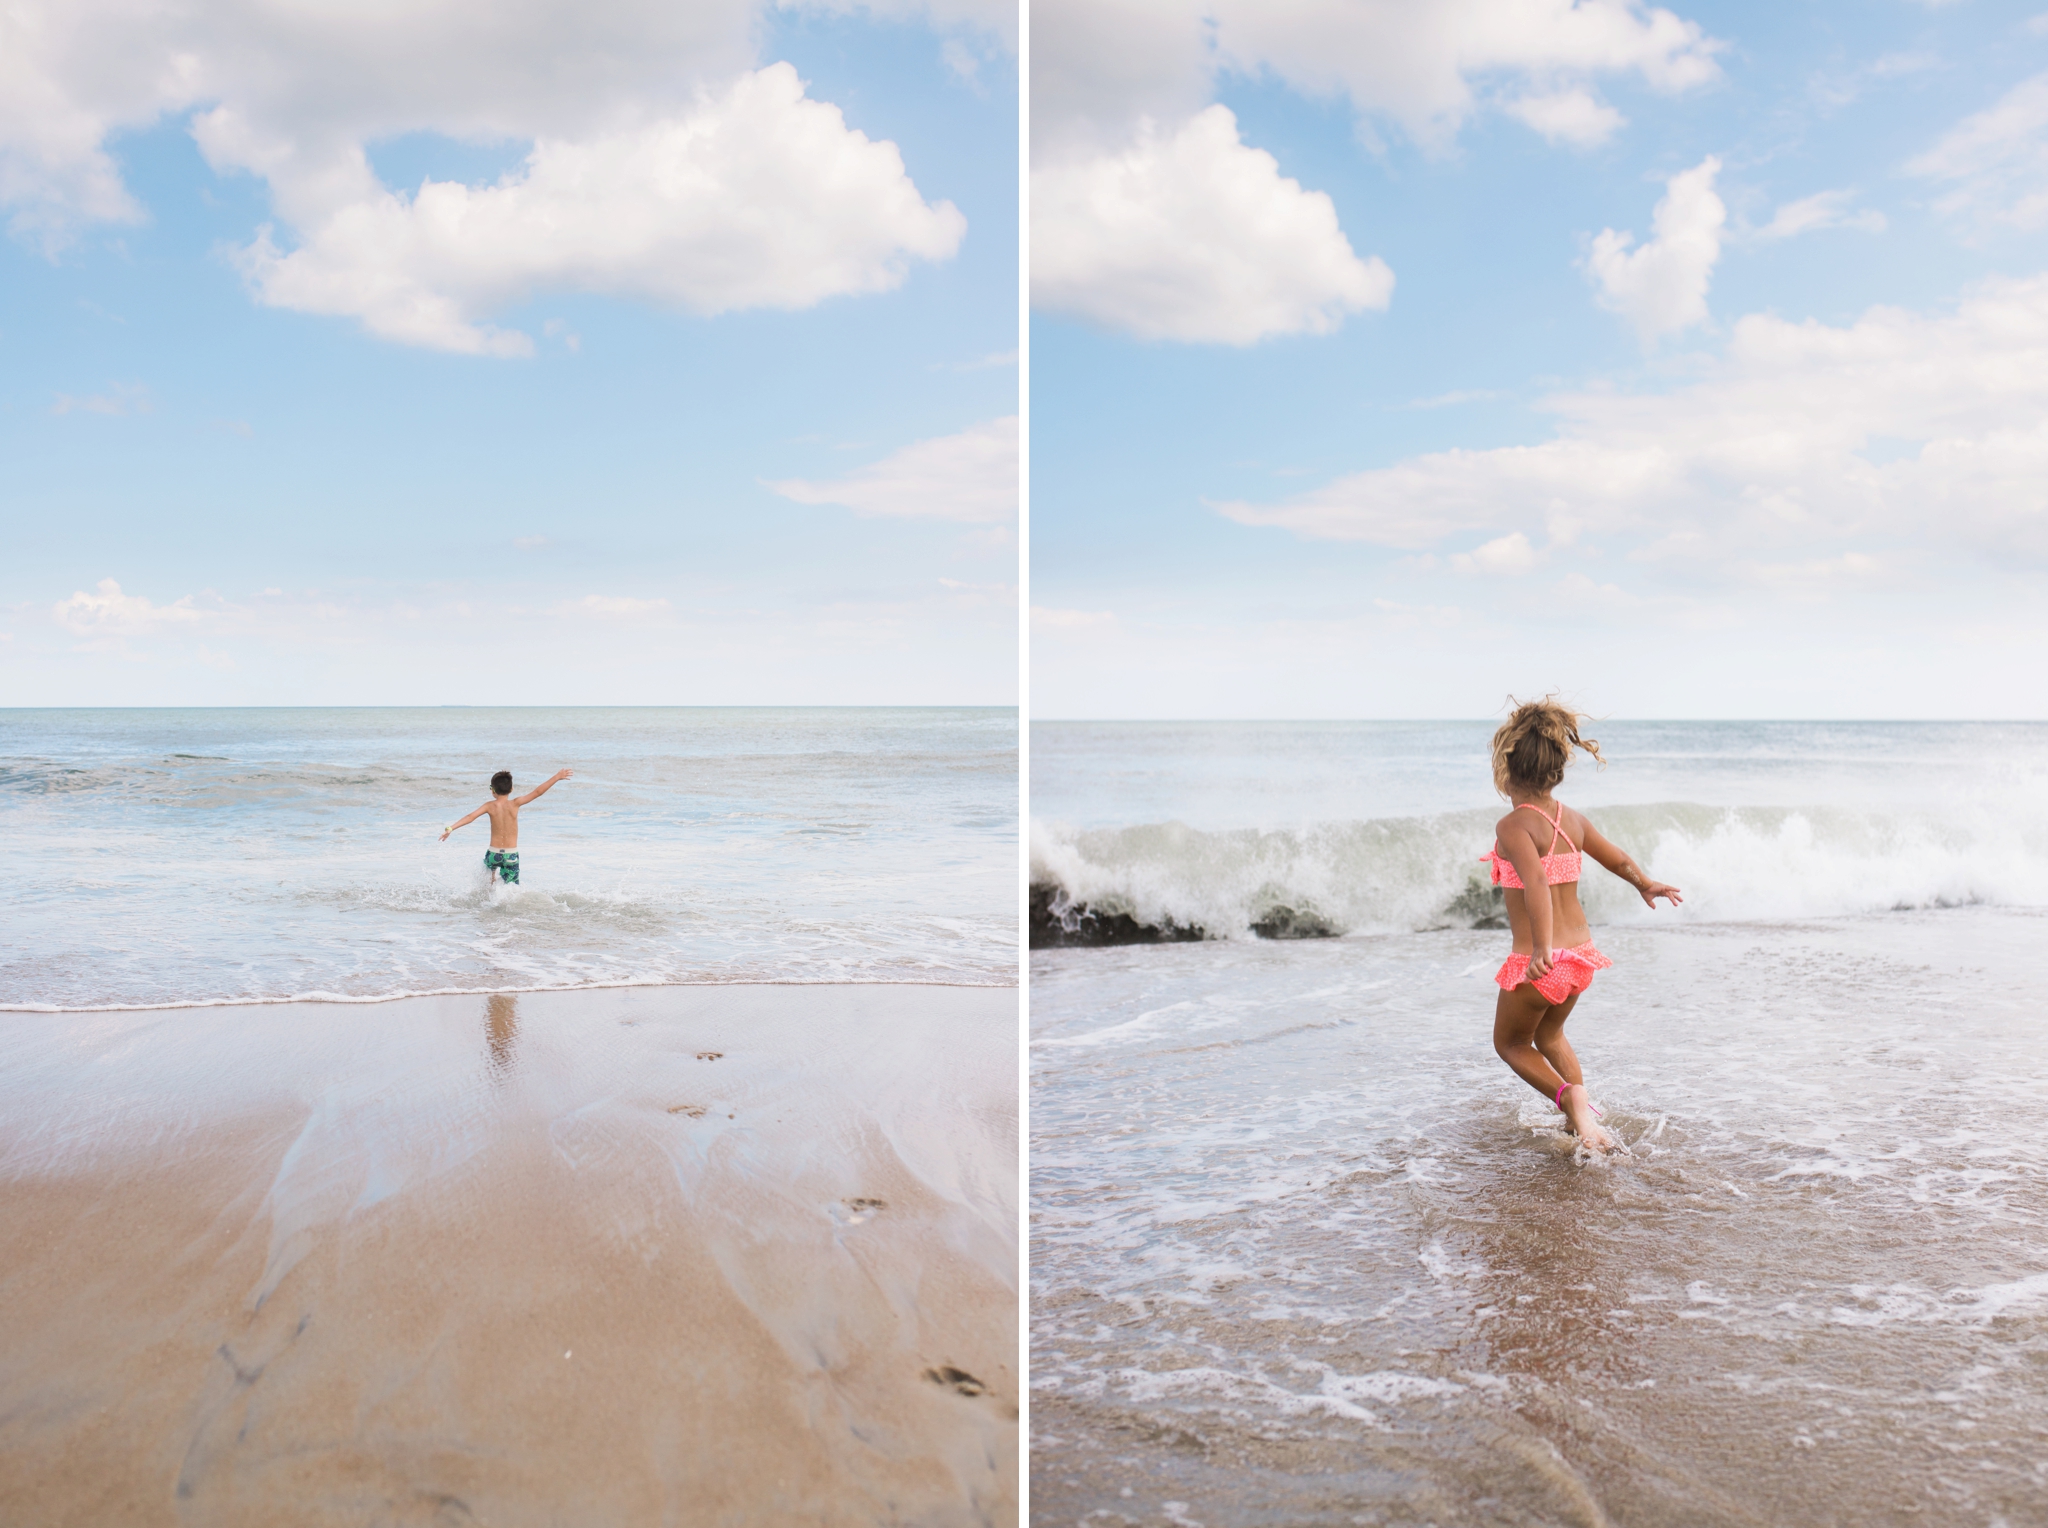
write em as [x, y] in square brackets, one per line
[1535, 743]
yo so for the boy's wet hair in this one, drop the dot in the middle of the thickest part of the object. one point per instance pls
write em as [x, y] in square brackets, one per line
[1535, 743]
[501, 783]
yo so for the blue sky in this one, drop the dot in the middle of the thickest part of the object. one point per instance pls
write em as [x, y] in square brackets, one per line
[1790, 463]
[236, 483]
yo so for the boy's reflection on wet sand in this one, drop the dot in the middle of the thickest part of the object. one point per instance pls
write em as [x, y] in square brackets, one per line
[501, 1024]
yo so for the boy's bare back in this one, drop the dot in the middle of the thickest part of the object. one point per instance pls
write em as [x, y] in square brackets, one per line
[503, 810]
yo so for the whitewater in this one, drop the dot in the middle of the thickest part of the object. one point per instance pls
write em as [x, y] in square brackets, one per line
[167, 857]
[1356, 829]
[1303, 1249]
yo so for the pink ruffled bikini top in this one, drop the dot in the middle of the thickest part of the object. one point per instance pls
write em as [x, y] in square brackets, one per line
[1558, 869]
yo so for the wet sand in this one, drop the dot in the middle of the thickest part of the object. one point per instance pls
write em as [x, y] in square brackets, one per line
[656, 1255]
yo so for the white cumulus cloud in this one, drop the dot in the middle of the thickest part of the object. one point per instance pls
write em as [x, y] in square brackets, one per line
[1149, 215]
[1803, 445]
[759, 198]
[1660, 286]
[660, 163]
[1510, 554]
[108, 613]
[1098, 65]
[970, 477]
[1194, 236]
[1568, 116]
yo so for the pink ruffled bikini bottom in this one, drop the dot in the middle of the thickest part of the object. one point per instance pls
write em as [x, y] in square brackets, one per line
[1570, 971]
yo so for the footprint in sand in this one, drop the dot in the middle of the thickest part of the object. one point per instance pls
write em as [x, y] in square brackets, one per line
[689, 1111]
[959, 1381]
[709, 1055]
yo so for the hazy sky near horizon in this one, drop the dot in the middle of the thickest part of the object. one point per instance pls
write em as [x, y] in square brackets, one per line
[1691, 360]
[610, 352]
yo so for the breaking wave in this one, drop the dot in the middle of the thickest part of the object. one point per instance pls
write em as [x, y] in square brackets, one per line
[1165, 881]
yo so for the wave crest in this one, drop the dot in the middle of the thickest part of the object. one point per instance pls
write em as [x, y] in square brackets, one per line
[1161, 881]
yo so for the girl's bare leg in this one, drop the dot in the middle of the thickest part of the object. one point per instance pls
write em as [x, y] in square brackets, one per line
[1551, 1041]
[1528, 1034]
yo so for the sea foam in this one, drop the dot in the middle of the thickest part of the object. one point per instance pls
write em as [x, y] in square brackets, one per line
[1401, 875]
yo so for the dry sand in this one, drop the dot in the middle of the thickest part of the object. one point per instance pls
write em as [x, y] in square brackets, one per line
[693, 1255]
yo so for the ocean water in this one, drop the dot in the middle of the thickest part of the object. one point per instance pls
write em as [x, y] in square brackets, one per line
[1378, 828]
[203, 856]
[1304, 1251]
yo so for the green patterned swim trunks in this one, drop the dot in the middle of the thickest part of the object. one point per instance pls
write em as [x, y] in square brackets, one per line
[502, 862]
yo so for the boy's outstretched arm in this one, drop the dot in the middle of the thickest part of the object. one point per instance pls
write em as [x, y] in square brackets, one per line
[465, 822]
[545, 786]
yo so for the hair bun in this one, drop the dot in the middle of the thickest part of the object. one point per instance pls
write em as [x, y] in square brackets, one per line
[1535, 743]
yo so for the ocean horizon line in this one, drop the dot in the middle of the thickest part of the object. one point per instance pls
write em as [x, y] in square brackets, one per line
[543, 706]
[1448, 721]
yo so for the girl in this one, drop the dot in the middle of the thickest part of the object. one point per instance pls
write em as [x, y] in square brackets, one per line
[1537, 862]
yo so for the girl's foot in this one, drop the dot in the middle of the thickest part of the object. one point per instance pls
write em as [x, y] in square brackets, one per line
[1585, 1124]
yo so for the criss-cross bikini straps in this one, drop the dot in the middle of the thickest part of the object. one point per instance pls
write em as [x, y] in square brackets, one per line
[1556, 823]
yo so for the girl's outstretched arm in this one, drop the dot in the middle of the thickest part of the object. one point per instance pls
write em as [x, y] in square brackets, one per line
[1611, 858]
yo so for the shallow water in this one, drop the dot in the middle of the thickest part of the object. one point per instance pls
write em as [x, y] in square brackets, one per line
[1305, 1251]
[199, 856]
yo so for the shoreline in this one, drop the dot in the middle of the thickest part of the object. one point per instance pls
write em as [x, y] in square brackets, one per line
[714, 1251]
[317, 999]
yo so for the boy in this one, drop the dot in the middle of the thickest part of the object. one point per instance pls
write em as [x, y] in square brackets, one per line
[502, 858]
